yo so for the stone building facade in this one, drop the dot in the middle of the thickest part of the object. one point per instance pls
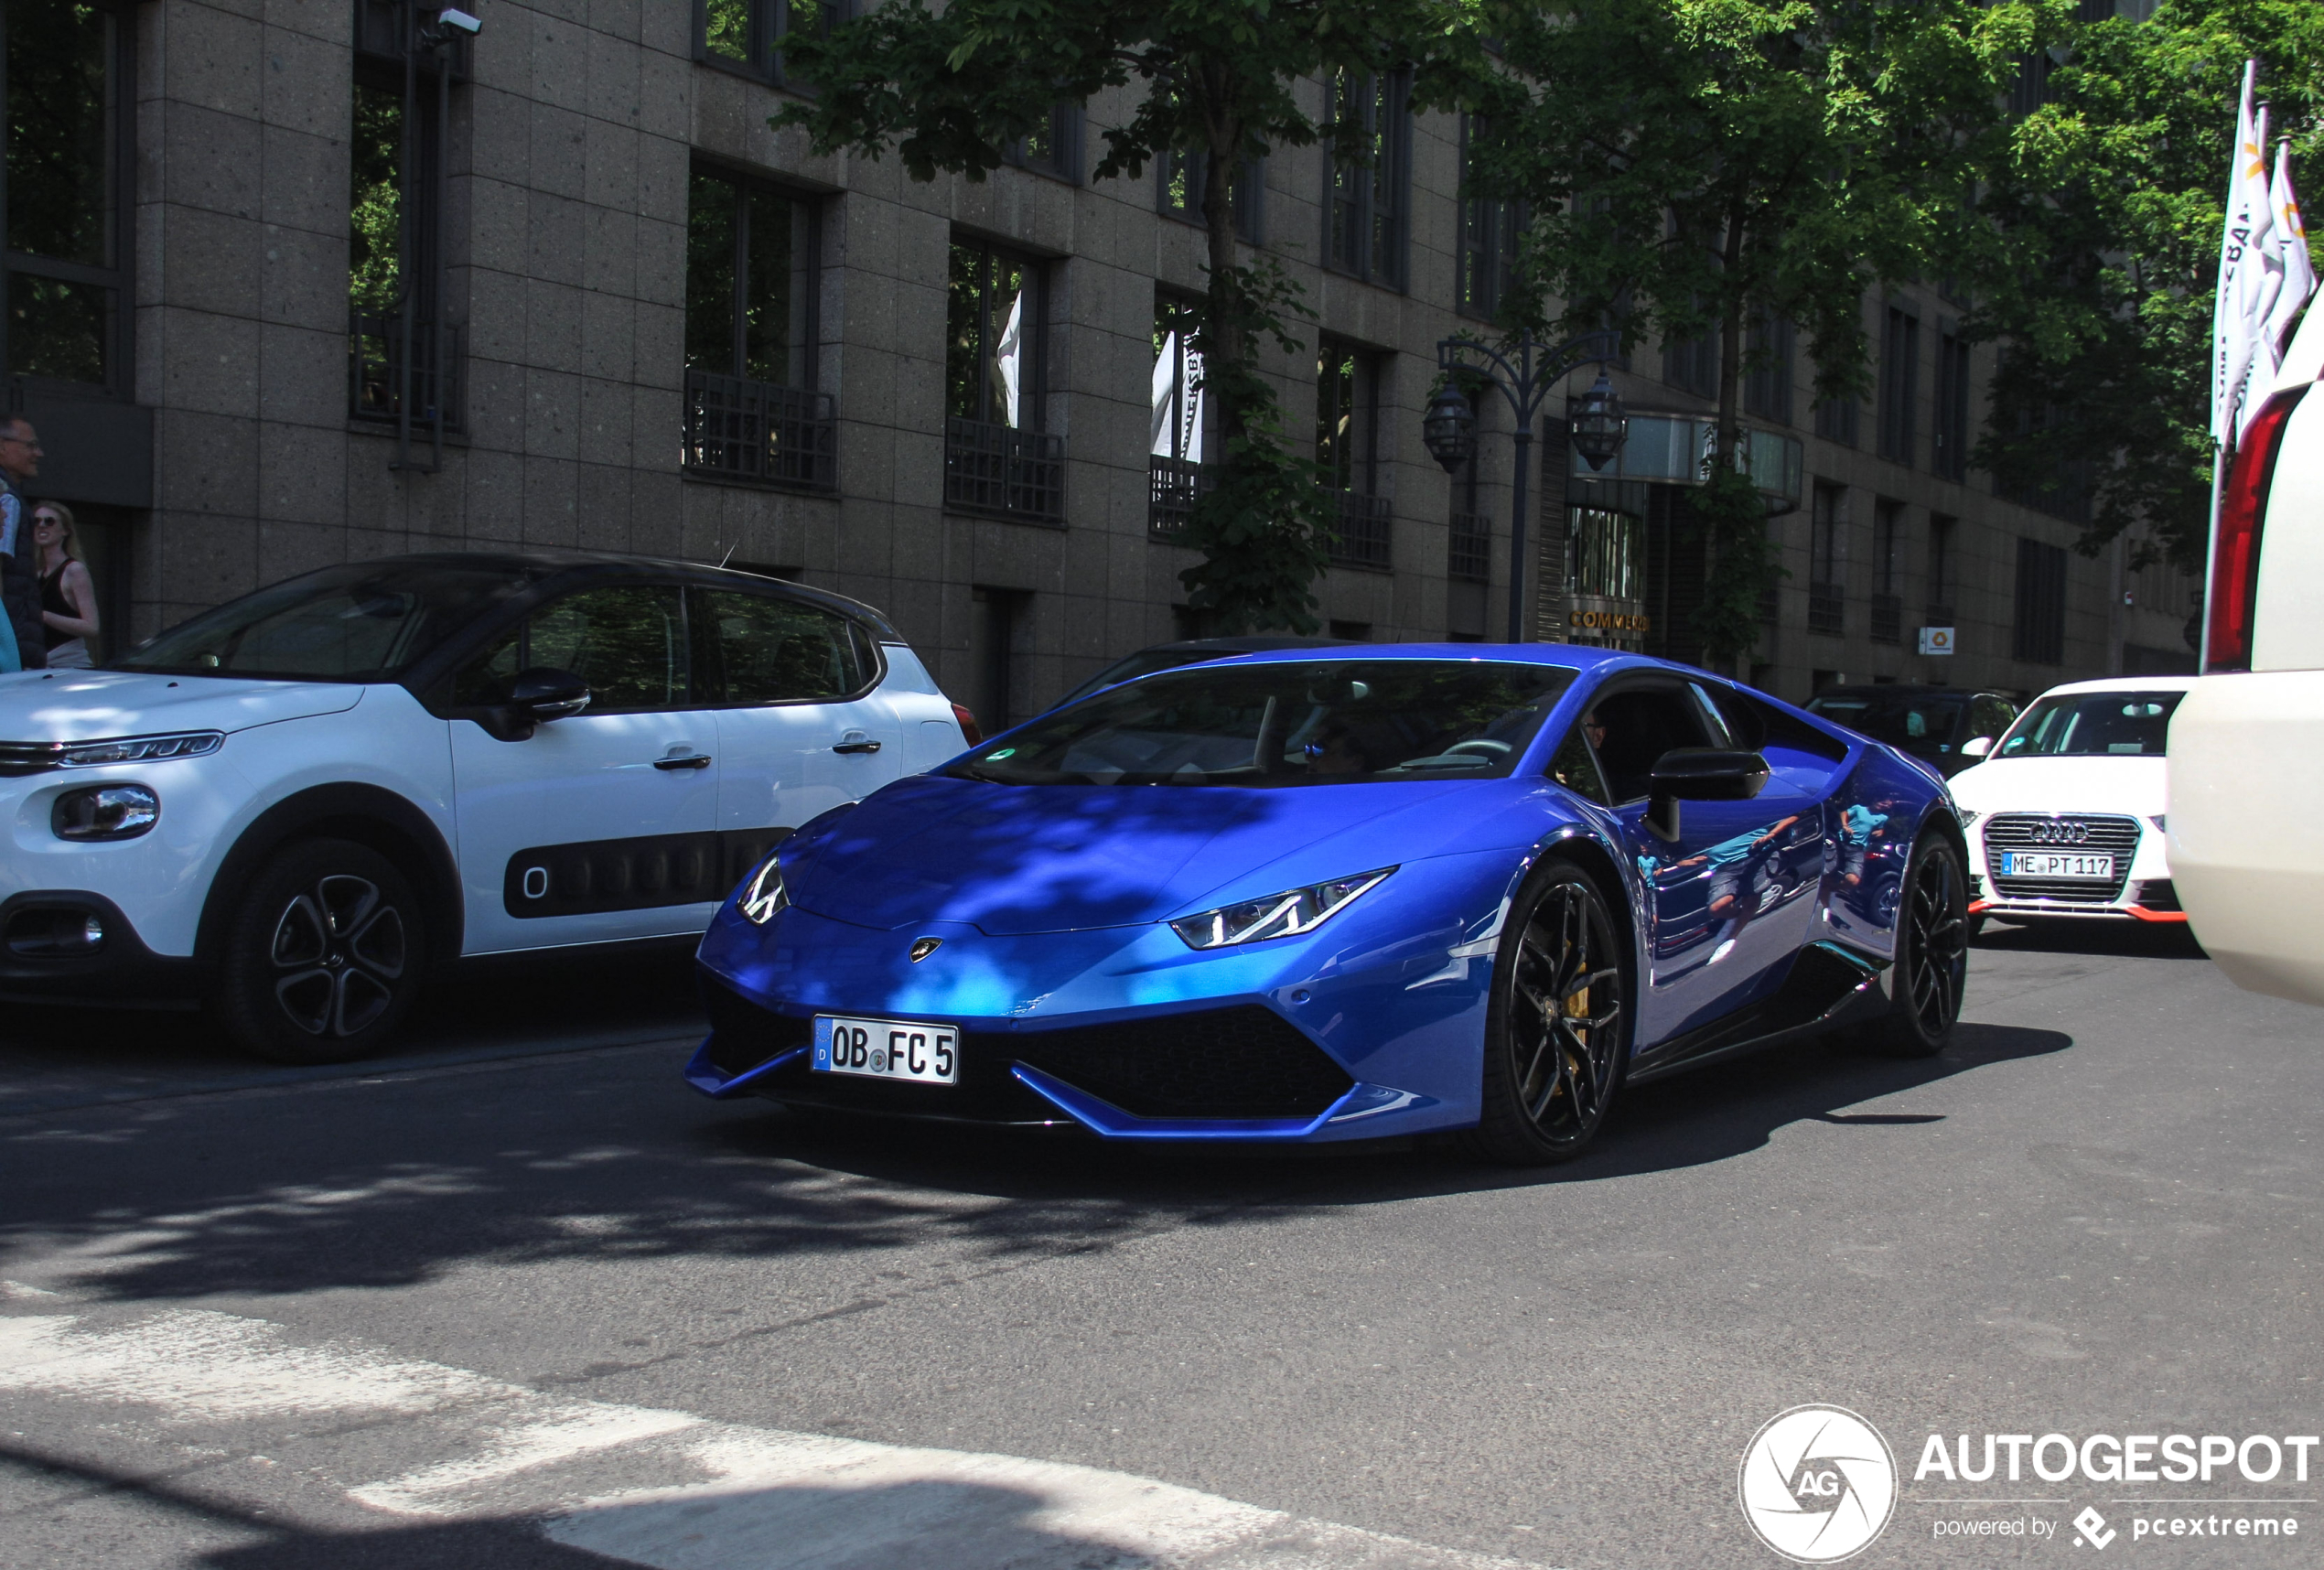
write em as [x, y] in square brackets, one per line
[604, 306]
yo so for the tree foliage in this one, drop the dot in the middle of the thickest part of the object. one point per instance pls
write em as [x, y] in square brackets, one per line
[1216, 81]
[1697, 165]
[2105, 208]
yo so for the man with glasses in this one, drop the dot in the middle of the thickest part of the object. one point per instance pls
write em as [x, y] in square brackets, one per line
[19, 556]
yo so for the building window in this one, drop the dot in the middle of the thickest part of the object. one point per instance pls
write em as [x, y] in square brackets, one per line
[1176, 467]
[1887, 606]
[405, 355]
[997, 460]
[1949, 440]
[1370, 148]
[1606, 553]
[1942, 531]
[1766, 373]
[1492, 235]
[69, 119]
[1055, 149]
[1900, 382]
[1348, 386]
[2038, 635]
[1180, 179]
[1835, 420]
[1692, 365]
[752, 413]
[745, 36]
[1827, 559]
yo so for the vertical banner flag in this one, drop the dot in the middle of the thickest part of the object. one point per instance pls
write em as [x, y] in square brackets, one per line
[2249, 275]
[2291, 236]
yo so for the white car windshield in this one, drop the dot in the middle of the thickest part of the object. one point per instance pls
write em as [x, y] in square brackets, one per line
[2092, 725]
[1306, 723]
[362, 622]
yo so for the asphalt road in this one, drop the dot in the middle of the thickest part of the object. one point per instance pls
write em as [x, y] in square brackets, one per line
[516, 1297]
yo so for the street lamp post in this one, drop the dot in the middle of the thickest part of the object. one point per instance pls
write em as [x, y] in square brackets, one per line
[1524, 370]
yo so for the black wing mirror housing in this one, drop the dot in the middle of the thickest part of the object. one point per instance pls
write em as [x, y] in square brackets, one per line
[1700, 774]
[542, 692]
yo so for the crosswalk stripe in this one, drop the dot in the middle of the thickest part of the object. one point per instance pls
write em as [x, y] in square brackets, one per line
[696, 1494]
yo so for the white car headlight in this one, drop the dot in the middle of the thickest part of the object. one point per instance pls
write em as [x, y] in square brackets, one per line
[1285, 915]
[764, 895]
[139, 749]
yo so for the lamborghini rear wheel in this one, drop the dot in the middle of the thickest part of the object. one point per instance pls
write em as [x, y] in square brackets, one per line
[1557, 1029]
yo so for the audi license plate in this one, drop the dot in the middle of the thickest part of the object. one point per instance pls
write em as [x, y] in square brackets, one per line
[886, 1049]
[2053, 864]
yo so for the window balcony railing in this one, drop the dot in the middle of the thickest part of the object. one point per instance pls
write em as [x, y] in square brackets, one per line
[1365, 528]
[1468, 559]
[1887, 619]
[1825, 603]
[1172, 485]
[759, 433]
[1004, 472]
[375, 349]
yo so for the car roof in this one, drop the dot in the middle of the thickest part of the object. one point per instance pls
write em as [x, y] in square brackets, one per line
[1907, 690]
[2126, 684]
[1582, 656]
[556, 563]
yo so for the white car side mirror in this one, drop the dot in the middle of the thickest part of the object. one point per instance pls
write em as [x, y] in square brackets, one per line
[1976, 746]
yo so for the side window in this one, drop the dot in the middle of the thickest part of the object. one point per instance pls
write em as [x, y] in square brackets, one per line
[1641, 724]
[774, 651]
[629, 642]
[1576, 770]
[1990, 716]
[1712, 720]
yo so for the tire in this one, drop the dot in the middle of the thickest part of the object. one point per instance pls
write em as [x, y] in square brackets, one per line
[1557, 1028]
[1932, 955]
[323, 956]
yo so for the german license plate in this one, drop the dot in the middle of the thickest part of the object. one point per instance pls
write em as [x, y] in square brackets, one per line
[2053, 864]
[886, 1049]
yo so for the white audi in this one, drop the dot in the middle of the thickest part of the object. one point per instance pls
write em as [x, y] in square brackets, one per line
[296, 806]
[2065, 813]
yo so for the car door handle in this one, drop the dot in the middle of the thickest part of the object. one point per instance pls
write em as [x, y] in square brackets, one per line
[698, 760]
[857, 746]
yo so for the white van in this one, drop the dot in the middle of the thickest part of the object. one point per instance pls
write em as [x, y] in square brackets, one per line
[2246, 768]
[297, 805]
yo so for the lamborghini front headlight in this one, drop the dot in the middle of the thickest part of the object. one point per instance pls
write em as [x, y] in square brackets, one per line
[1285, 915]
[764, 895]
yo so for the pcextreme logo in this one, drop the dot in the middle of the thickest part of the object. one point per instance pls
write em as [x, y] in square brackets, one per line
[1818, 1484]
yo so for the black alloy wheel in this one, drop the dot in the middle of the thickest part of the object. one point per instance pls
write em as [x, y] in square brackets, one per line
[325, 955]
[1557, 1029]
[1932, 953]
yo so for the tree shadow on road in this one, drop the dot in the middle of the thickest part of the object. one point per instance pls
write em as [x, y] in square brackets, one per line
[606, 1158]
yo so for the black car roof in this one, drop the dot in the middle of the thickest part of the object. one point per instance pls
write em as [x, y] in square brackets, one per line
[547, 564]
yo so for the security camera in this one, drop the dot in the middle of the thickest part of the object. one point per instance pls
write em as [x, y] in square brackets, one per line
[459, 21]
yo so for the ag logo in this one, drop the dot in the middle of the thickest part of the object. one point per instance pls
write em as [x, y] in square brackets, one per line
[1818, 1484]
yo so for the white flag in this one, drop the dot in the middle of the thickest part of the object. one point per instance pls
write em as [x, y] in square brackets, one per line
[2250, 274]
[2291, 238]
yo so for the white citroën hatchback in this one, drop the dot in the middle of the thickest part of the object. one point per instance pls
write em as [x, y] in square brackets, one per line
[293, 807]
[2066, 814]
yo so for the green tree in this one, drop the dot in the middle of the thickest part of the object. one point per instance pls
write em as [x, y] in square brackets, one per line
[2105, 208]
[1214, 81]
[1695, 165]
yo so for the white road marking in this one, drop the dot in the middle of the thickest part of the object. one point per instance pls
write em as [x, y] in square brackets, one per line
[707, 1496]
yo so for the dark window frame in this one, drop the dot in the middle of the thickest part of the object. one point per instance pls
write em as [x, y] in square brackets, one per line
[1899, 389]
[1382, 255]
[1949, 435]
[1189, 175]
[2037, 629]
[1065, 157]
[1492, 233]
[1366, 533]
[118, 275]
[1767, 372]
[992, 469]
[769, 23]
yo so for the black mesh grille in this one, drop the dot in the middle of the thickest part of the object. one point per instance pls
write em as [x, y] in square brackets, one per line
[742, 1034]
[2091, 835]
[1247, 1062]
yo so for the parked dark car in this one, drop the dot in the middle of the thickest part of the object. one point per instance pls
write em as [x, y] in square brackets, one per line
[1191, 651]
[1939, 726]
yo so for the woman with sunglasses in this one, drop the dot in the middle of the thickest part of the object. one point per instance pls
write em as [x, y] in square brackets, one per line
[68, 598]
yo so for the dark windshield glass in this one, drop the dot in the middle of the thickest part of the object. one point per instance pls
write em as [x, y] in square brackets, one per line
[2129, 724]
[1132, 666]
[1309, 723]
[362, 622]
[1923, 720]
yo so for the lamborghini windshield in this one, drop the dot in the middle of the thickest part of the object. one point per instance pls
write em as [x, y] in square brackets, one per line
[1297, 722]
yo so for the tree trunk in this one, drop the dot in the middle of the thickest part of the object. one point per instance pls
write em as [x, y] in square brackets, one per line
[1730, 348]
[1223, 329]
